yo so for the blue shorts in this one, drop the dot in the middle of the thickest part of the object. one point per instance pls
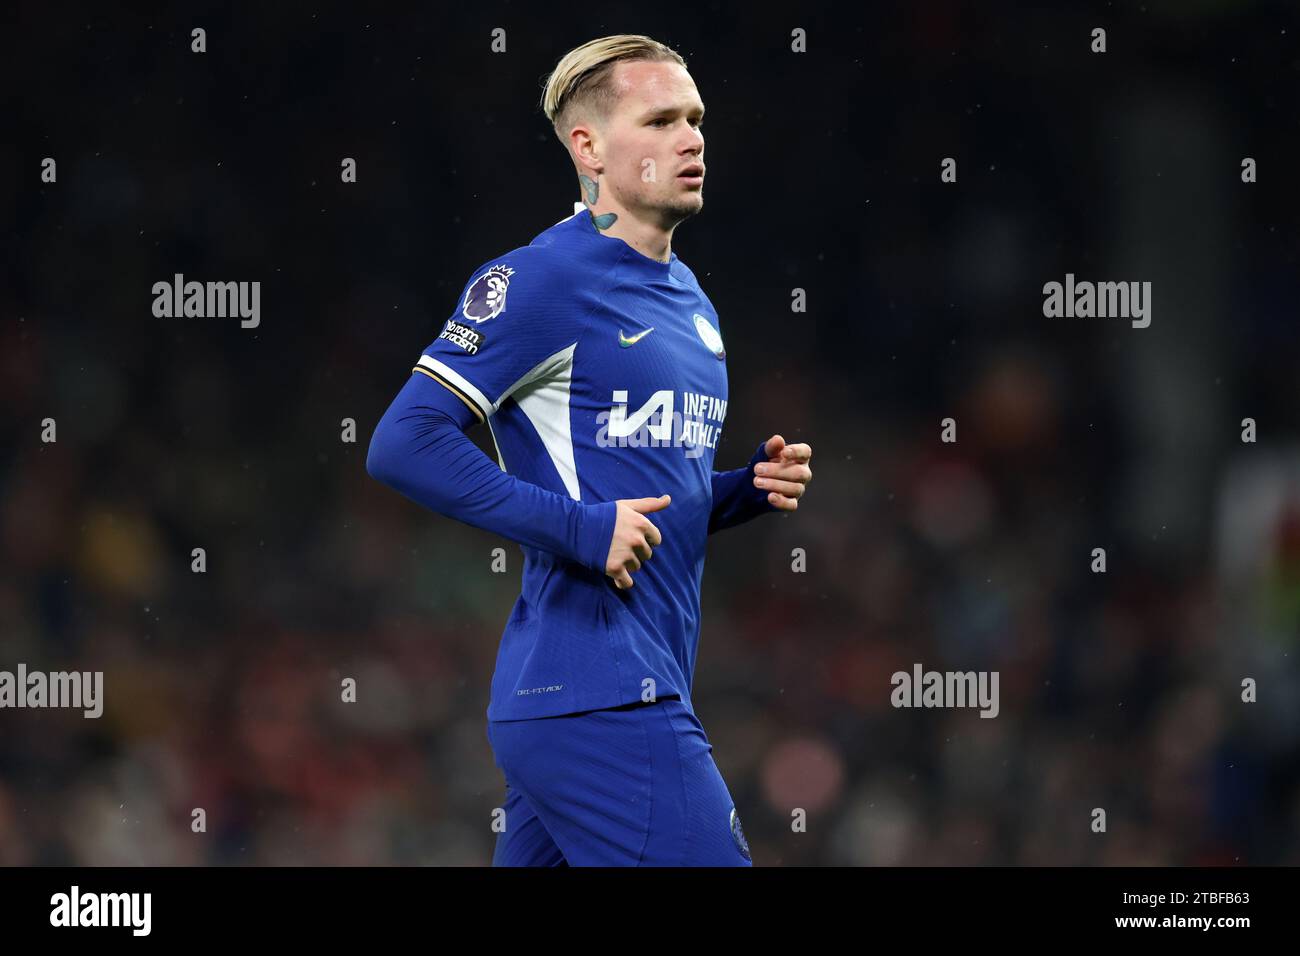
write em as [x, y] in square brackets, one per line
[629, 786]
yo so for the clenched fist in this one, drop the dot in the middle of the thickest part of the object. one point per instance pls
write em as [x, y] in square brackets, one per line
[635, 537]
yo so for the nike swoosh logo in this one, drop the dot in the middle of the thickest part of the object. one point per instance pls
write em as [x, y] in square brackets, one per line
[624, 341]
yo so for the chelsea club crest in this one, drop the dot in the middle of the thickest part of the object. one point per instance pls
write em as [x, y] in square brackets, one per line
[710, 336]
[738, 835]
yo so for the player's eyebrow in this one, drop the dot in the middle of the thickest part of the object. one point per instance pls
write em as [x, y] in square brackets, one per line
[671, 110]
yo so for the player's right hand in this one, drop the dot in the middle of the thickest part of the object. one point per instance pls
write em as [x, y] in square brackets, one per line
[634, 539]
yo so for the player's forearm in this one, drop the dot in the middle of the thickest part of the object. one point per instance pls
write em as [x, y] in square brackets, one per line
[419, 448]
[735, 499]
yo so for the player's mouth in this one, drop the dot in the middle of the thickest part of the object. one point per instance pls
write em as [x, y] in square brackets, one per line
[692, 175]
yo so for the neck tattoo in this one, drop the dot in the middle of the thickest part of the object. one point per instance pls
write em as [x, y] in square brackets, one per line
[592, 189]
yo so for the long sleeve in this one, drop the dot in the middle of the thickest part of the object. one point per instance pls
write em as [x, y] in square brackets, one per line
[419, 448]
[735, 499]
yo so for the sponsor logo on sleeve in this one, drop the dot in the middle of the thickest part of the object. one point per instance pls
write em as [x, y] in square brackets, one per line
[471, 340]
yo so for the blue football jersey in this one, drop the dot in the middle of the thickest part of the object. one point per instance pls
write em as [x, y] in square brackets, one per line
[602, 375]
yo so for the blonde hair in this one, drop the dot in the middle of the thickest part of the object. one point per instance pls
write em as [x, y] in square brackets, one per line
[582, 80]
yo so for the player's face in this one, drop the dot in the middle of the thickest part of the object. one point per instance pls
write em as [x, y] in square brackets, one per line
[654, 156]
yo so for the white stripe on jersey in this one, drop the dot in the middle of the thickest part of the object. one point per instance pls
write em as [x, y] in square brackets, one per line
[451, 375]
[546, 403]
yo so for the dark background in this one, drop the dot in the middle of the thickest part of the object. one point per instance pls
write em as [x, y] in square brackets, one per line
[1118, 690]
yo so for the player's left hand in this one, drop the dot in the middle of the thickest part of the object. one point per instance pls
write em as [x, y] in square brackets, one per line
[786, 473]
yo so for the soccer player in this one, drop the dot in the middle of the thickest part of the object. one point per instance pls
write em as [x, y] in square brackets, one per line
[598, 363]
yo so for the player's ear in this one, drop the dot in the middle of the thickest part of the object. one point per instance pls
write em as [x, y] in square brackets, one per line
[586, 149]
